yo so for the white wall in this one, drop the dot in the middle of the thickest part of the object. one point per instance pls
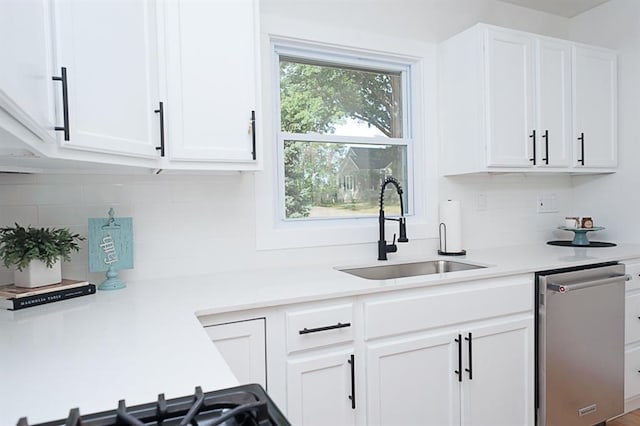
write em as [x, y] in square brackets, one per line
[424, 20]
[613, 200]
[194, 224]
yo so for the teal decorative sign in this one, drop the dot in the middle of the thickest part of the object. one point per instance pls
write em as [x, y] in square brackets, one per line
[110, 248]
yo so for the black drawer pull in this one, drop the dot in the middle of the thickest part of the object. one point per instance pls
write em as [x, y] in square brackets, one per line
[65, 103]
[546, 147]
[160, 111]
[459, 370]
[533, 136]
[581, 139]
[329, 327]
[470, 369]
[352, 397]
[253, 134]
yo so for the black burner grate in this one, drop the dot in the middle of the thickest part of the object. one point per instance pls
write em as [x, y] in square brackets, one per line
[241, 405]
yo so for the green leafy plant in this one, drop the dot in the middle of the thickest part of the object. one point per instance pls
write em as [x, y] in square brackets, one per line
[19, 245]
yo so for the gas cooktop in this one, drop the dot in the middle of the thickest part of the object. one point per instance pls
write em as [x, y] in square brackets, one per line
[241, 405]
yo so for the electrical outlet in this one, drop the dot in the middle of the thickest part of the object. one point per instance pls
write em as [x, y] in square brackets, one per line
[547, 203]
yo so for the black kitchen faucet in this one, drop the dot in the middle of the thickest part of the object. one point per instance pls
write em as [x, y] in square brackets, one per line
[383, 247]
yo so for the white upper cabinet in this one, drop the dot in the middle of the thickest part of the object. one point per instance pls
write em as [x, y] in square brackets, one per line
[26, 90]
[109, 51]
[506, 101]
[595, 107]
[509, 99]
[553, 106]
[212, 55]
[156, 84]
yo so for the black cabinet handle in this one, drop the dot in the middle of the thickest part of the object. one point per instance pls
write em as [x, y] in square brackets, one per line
[352, 397]
[328, 327]
[581, 139]
[160, 111]
[253, 134]
[65, 103]
[470, 369]
[459, 370]
[546, 147]
[533, 135]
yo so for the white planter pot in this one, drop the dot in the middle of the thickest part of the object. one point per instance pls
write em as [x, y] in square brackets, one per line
[37, 274]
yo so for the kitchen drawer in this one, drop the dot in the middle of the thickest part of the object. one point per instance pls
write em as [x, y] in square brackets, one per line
[632, 318]
[319, 326]
[632, 373]
[633, 270]
[429, 309]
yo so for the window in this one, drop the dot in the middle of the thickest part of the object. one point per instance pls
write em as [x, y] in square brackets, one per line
[343, 128]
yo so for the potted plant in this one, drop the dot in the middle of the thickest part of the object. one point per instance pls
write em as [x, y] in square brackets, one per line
[36, 253]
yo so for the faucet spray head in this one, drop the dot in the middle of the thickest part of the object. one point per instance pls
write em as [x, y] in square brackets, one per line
[403, 231]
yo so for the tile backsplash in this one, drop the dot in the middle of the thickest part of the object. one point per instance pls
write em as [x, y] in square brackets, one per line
[182, 225]
[191, 225]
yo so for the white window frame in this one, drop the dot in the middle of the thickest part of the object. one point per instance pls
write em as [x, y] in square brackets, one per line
[357, 60]
[272, 232]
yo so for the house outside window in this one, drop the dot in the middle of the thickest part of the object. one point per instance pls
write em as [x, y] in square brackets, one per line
[343, 128]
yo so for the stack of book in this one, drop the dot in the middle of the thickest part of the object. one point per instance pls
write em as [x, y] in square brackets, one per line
[14, 298]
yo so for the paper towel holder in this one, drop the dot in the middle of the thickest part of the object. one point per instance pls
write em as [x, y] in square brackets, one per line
[442, 230]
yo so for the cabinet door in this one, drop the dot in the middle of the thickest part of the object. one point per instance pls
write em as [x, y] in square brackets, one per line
[413, 381]
[595, 107]
[632, 373]
[319, 388]
[242, 345]
[211, 79]
[632, 318]
[25, 74]
[553, 106]
[110, 52]
[509, 62]
[500, 388]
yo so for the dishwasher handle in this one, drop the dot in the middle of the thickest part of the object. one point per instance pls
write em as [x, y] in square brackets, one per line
[565, 288]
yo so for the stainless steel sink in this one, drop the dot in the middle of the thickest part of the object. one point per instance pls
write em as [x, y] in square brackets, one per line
[401, 270]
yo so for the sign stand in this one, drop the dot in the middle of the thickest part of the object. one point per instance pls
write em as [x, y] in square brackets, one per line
[110, 248]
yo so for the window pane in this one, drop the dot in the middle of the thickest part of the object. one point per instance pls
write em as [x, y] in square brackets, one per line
[341, 180]
[327, 99]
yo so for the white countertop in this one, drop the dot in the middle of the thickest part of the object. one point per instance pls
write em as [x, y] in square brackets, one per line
[146, 339]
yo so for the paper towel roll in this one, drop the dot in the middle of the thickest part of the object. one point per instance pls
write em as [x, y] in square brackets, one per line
[451, 217]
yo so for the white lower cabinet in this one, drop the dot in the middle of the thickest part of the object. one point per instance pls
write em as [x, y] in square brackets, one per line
[632, 376]
[499, 388]
[632, 339]
[451, 355]
[413, 375]
[321, 364]
[478, 375]
[242, 345]
[445, 355]
[320, 389]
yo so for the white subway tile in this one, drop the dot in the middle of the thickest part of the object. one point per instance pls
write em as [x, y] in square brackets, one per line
[39, 194]
[61, 215]
[23, 215]
[107, 193]
[17, 178]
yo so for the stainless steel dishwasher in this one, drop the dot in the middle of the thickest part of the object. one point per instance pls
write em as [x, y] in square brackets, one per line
[580, 345]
